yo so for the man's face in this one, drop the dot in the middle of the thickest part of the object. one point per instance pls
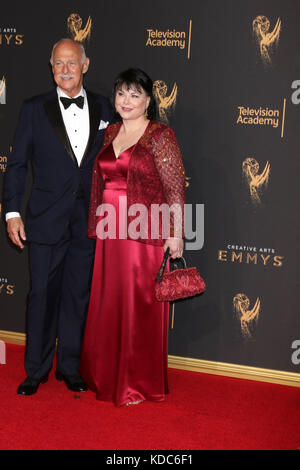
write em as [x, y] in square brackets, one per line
[67, 67]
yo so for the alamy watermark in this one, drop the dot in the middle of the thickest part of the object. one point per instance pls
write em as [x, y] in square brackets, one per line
[160, 217]
[296, 353]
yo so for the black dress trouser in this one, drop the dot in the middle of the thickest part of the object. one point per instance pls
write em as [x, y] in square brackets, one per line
[58, 301]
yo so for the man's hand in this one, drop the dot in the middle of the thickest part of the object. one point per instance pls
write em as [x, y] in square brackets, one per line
[16, 231]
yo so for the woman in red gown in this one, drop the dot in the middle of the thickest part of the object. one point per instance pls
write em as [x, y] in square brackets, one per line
[125, 347]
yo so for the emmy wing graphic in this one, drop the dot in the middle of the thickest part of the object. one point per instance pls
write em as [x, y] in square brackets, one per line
[74, 24]
[247, 317]
[165, 103]
[266, 40]
[255, 181]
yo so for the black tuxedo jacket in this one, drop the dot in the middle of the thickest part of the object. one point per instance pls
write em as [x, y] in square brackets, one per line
[41, 136]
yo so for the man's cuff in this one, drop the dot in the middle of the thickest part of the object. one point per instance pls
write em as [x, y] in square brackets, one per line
[10, 215]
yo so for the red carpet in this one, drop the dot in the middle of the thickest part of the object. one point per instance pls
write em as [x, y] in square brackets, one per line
[201, 412]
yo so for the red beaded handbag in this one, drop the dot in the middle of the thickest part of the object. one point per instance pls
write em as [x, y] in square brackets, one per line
[179, 283]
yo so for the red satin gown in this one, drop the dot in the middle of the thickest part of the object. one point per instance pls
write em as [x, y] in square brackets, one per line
[125, 347]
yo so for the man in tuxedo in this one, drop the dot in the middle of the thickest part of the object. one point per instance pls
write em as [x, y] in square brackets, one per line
[61, 132]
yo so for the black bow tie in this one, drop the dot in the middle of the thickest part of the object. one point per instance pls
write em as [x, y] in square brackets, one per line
[79, 101]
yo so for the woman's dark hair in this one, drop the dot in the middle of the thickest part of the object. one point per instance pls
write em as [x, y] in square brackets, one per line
[140, 80]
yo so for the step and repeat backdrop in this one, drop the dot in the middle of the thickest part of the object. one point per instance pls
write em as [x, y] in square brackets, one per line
[227, 79]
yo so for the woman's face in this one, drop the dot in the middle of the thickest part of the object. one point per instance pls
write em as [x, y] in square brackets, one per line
[131, 103]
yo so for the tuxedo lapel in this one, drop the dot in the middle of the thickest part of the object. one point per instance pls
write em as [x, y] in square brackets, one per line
[95, 117]
[53, 113]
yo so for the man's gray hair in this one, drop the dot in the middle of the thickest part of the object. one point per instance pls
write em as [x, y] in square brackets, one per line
[83, 54]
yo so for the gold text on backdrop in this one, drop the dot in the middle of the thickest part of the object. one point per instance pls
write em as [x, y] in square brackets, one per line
[247, 254]
[170, 38]
[3, 163]
[5, 287]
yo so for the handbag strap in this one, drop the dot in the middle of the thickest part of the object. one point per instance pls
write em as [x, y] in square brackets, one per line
[177, 263]
[163, 265]
[172, 268]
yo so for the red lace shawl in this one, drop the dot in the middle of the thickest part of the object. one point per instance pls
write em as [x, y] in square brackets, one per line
[155, 176]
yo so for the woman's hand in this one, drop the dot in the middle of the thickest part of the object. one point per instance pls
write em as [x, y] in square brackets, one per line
[176, 247]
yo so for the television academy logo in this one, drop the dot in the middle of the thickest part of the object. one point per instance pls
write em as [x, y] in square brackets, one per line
[3, 90]
[247, 317]
[4, 160]
[78, 33]
[255, 181]
[267, 41]
[260, 116]
[170, 38]
[165, 103]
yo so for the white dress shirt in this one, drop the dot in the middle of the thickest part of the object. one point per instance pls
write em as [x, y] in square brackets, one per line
[77, 124]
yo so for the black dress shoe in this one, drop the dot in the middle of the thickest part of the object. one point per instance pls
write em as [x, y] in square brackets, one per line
[73, 382]
[30, 385]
